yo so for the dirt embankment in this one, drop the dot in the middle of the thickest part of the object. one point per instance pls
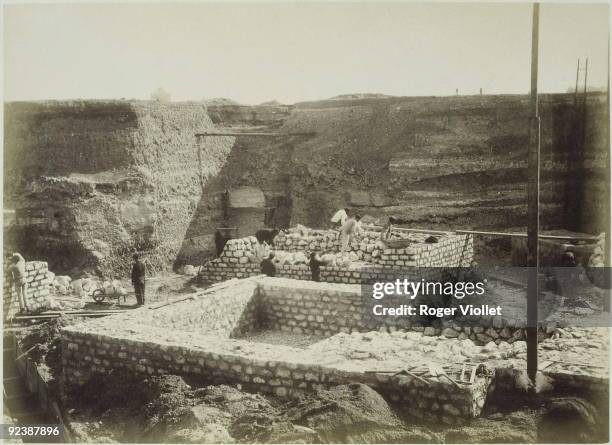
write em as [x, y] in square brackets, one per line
[93, 181]
[186, 410]
[439, 162]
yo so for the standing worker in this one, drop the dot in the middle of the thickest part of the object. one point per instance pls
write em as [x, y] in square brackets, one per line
[267, 266]
[315, 266]
[387, 229]
[339, 218]
[138, 279]
[261, 251]
[348, 231]
[18, 279]
[222, 236]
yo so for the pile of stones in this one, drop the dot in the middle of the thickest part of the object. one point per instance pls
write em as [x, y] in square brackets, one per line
[597, 258]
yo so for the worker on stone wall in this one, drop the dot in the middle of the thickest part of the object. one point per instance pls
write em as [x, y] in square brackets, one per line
[18, 279]
[339, 218]
[261, 251]
[348, 231]
[266, 236]
[138, 279]
[387, 229]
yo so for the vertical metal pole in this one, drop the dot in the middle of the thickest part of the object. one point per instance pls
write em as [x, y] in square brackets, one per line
[533, 187]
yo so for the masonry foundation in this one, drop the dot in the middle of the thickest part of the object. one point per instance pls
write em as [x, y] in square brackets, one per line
[207, 335]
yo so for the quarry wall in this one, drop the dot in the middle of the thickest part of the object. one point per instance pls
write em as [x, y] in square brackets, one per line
[455, 160]
[92, 181]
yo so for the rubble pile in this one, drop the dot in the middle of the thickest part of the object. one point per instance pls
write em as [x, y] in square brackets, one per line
[366, 245]
[75, 294]
[399, 348]
[597, 258]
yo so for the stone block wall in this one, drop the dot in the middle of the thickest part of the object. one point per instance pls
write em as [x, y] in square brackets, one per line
[174, 339]
[452, 250]
[184, 337]
[312, 309]
[219, 271]
[38, 288]
[434, 399]
[383, 263]
[318, 241]
[322, 309]
[225, 310]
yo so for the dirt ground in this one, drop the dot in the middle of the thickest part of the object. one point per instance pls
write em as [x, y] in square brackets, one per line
[170, 408]
[161, 287]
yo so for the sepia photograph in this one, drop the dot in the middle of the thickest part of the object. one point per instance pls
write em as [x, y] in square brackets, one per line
[306, 222]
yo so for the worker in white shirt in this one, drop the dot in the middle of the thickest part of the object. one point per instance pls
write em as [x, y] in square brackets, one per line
[348, 231]
[339, 218]
[261, 251]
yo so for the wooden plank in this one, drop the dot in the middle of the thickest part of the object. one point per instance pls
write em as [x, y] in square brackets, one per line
[486, 233]
[411, 374]
[52, 316]
[524, 235]
[213, 134]
[451, 380]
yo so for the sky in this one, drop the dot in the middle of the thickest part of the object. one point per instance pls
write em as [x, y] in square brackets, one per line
[291, 52]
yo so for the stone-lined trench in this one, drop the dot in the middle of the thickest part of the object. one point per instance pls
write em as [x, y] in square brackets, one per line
[444, 380]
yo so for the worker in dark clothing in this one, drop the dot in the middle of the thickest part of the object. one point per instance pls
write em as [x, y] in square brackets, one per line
[315, 266]
[568, 259]
[267, 236]
[222, 236]
[138, 279]
[268, 267]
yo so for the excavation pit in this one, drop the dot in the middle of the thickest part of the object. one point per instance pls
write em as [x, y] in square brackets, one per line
[254, 331]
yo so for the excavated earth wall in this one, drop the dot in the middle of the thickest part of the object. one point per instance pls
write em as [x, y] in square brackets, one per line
[94, 181]
[91, 181]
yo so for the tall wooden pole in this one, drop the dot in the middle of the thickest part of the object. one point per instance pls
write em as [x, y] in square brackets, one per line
[576, 90]
[608, 218]
[533, 206]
